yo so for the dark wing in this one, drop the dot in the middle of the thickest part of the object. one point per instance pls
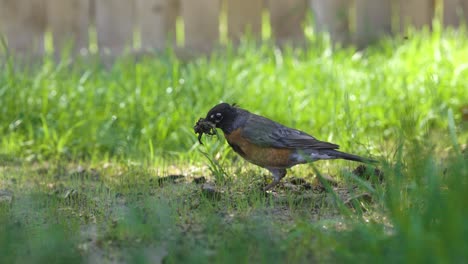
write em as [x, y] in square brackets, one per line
[267, 133]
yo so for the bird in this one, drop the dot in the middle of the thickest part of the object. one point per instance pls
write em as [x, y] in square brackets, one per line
[269, 144]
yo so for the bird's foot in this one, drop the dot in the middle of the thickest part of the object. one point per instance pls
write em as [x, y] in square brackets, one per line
[271, 185]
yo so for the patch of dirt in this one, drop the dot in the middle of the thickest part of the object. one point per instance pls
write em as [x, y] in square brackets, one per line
[363, 172]
[169, 179]
[199, 180]
[209, 190]
[318, 186]
[83, 173]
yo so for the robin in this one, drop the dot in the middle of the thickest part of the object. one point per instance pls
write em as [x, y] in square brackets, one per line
[267, 143]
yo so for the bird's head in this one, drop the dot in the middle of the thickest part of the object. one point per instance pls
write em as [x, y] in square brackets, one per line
[222, 115]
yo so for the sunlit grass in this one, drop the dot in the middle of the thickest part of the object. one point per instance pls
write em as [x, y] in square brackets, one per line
[359, 100]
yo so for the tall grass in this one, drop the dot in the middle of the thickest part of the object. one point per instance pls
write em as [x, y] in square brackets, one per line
[361, 100]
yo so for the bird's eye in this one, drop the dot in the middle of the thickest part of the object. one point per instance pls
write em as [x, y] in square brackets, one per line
[218, 117]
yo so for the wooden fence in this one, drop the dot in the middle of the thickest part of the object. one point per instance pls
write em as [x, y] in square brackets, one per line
[117, 23]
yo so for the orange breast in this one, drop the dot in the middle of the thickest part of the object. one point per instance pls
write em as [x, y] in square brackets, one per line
[261, 156]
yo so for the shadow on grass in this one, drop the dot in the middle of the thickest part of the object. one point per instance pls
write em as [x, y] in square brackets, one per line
[416, 214]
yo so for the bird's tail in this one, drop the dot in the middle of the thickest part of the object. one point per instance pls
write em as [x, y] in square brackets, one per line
[342, 155]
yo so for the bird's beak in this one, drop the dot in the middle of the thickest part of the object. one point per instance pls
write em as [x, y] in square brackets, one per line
[213, 125]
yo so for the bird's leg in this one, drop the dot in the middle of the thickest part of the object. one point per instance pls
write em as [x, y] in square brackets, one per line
[278, 174]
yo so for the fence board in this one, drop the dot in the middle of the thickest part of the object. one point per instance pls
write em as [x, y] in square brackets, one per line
[201, 24]
[455, 12]
[114, 24]
[286, 18]
[23, 23]
[332, 16]
[157, 21]
[373, 19]
[416, 13]
[68, 20]
[244, 16]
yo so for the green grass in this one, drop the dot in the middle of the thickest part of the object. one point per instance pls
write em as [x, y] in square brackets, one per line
[130, 123]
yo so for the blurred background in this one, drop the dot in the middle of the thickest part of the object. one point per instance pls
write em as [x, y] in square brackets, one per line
[113, 26]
